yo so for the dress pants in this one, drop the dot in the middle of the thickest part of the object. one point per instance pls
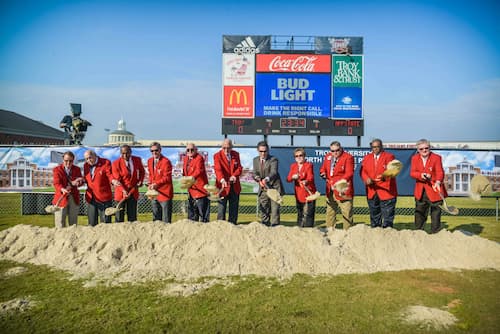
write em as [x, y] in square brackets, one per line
[130, 205]
[382, 212]
[305, 213]
[162, 210]
[333, 206]
[95, 210]
[233, 199]
[422, 211]
[269, 210]
[70, 211]
[199, 209]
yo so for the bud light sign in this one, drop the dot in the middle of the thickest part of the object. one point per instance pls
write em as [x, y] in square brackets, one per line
[292, 95]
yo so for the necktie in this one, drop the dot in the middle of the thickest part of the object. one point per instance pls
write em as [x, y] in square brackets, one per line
[262, 161]
[92, 169]
[228, 158]
[129, 168]
[376, 161]
[155, 163]
[332, 167]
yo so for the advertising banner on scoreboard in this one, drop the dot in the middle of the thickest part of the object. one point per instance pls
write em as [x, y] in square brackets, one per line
[347, 102]
[347, 71]
[294, 63]
[241, 44]
[238, 102]
[238, 70]
[292, 95]
[339, 45]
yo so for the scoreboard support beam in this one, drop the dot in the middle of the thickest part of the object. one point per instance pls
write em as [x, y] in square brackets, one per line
[359, 141]
[291, 140]
[318, 141]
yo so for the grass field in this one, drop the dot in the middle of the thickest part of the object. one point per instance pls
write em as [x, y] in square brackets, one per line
[356, 303]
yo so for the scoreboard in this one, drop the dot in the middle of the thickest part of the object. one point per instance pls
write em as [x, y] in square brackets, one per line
[292, 126]
[292, 85]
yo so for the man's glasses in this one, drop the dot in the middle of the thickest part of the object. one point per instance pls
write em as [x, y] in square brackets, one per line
[299, 155]
[153, 150]
[189, 149]
[263, 151]
[423, 148]
[337, 150]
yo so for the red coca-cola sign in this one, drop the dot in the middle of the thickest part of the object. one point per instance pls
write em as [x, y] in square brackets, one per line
[294, 63]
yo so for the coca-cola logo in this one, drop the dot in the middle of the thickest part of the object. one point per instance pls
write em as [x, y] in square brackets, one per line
[298, 64]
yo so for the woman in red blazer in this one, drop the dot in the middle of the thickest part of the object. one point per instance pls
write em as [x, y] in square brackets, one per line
[427, 170]
[302, 175]
[67, 179]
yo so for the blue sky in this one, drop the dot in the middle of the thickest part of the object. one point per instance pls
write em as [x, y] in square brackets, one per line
[431, 68]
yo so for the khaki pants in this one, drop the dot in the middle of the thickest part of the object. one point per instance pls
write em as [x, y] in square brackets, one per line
[333, 206]
[70, 211]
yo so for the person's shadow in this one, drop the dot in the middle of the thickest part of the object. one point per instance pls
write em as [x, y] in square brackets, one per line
[473, 228]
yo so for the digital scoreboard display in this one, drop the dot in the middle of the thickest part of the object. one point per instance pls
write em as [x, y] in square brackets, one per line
[293, 126]
[292, 87]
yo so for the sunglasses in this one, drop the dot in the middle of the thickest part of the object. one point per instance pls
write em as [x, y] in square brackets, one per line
[423, 148]
[337, 150]
[299, 155]
[155, 150]
[189, 149]
[263, 151]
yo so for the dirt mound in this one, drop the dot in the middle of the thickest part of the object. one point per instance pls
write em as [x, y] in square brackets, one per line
[186, 250]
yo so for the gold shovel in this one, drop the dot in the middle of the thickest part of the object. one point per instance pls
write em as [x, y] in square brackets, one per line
[114, 209]
[53, 208]
[450, 209]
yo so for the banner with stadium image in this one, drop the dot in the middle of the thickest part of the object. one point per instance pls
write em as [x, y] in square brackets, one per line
[28, 168]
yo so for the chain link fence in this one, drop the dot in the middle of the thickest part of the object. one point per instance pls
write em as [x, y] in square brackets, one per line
[34, 203]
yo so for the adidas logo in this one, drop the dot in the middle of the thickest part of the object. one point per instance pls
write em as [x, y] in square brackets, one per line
[246, 46]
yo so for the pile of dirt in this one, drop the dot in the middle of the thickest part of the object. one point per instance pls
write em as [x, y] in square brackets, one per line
[429, 318]
[132, 252]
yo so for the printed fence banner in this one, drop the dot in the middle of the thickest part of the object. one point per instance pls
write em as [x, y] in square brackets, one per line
[28, 168]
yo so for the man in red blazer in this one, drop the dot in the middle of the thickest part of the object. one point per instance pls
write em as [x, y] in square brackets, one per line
[381, 192]
[198, 203]
[228, 169]
[160, 179]
[338, 165]
[128, 175]
[67, 179]
[97, 174]
[302, 175]
[427, 170]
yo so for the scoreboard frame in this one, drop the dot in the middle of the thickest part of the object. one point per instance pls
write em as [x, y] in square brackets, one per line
[239, 110]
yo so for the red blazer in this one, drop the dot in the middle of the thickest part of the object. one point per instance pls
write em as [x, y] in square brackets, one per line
[99, 186]
[130, 183]
[61, 181]
[344, 169]
[306, 174]
[197, 170]
[161, 175]
[385, 189]
[434, 166]
[225, 169]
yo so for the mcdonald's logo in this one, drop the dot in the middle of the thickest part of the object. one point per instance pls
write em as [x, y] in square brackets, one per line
[239, 94]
